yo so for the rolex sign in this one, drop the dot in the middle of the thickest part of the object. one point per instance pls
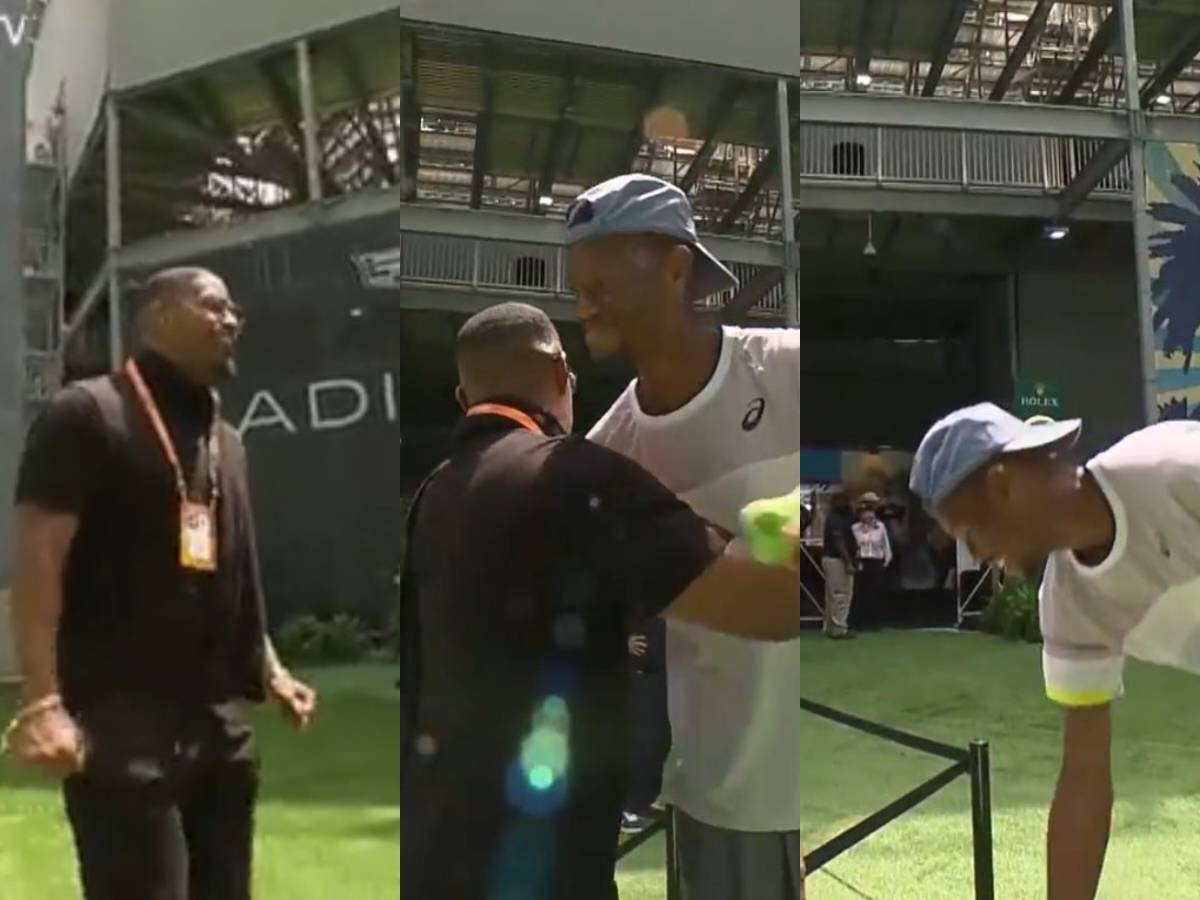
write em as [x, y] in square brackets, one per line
[1038, 398]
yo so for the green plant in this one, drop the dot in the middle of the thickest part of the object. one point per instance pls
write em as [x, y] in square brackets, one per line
[1013, 611]
[300, 639]
[307, 639]
[347, 639]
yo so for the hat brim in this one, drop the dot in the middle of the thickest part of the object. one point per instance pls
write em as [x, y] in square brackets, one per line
[709, 275]
[1034, 437]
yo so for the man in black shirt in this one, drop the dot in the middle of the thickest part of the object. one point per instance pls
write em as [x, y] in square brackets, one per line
[838, 564]
[533, 555]
[138, 611]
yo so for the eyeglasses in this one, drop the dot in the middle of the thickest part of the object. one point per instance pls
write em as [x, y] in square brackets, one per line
[220, 309]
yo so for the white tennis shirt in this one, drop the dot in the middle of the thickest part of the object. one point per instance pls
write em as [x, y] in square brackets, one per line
[735, 719]
[1143, 600]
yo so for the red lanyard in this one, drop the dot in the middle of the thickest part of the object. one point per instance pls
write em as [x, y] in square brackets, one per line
[164, 437]
[511, 413]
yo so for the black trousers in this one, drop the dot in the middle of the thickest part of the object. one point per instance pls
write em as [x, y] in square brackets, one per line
[173, 825]
[650, 739]
[867, 612]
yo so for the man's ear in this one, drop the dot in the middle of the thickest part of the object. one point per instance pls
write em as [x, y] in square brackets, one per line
[562, 375]
[996, 480]
[461, 396]
[679, 264]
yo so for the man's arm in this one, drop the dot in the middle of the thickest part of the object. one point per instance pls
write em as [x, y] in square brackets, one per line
[272, 666]
[43, 541]
[296, 700]
[1081, 813]
[671, 562]
[60, 468]
[738, 596]
[42, 733]
[847, 542]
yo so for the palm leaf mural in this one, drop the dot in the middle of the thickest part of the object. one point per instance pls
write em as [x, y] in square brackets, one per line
[1176, 288]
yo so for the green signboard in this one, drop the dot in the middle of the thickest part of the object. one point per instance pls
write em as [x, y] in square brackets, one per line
[1036, 397]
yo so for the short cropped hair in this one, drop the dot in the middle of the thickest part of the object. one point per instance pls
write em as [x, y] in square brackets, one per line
[166, 286]
[508, 328]
[496, 347]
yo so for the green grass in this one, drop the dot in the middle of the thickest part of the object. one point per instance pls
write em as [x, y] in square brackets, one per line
[328, 821]
[953, 688]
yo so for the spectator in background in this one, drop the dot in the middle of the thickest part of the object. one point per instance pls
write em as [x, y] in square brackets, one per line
[874, 556]
[892, 512]
[838, 565]
[650, 729]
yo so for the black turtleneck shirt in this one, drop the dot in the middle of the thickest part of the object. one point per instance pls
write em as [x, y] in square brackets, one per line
[531, 558]
[135, 625]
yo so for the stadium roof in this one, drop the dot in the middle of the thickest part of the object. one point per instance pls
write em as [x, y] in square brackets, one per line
[485, 120]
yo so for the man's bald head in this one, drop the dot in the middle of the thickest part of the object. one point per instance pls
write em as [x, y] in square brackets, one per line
[514, 350]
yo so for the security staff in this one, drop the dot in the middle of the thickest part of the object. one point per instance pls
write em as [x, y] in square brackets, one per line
[138, 611]
[533, 556]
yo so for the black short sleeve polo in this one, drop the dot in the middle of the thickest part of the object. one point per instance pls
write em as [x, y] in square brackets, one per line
[532, 558]
[64, 454]
[652, 541]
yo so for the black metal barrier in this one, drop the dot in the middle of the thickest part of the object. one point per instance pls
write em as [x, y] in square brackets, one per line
[665, 821]
[973, 762]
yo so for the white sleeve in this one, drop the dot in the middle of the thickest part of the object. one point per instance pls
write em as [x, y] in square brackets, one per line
[1082, 665]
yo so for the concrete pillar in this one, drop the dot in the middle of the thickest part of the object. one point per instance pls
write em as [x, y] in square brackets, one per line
[112, 186]
[791, 252]
[308, 106]
[1141, 225]
[13, 68]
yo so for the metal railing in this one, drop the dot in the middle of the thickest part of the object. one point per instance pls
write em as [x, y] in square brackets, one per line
[507, 266]
[973, 761]
[891, 155]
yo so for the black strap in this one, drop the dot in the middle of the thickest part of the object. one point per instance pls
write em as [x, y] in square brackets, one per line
[410, 633]
[109, 400]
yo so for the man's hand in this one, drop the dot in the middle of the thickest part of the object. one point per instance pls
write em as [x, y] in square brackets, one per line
[296, 700]
[637, 645]
[48, 739]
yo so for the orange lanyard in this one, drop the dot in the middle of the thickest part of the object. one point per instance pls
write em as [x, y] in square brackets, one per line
[511, 413]
[164, 437]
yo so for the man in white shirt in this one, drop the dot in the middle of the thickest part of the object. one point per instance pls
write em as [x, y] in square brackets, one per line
[1123, 579]
[715, 414]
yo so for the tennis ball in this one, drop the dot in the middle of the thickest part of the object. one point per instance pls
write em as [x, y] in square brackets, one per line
[763, 523]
